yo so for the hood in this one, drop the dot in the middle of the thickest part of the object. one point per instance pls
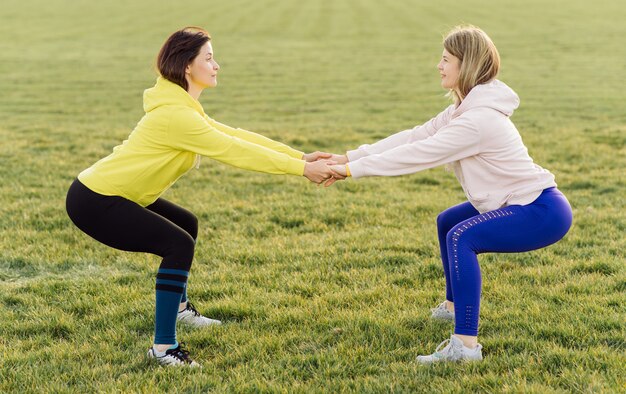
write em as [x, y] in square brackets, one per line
[168, 93]
[495, 94]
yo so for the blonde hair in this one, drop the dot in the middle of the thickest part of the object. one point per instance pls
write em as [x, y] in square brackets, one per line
[480, 60]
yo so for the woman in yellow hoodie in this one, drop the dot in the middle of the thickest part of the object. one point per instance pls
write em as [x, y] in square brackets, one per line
[117, 200]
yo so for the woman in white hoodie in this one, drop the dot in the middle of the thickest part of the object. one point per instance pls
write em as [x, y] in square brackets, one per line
[513, 204]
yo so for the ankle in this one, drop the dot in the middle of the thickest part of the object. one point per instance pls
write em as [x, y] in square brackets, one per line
[468, 341]
[450, 306]
[182, 306]
[161, 348]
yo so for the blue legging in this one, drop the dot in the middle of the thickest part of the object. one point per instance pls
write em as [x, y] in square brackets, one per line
[464, 233]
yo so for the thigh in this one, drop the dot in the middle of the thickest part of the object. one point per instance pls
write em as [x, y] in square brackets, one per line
[131, 227]
[121, 223]
[176, 214]
[512, 229]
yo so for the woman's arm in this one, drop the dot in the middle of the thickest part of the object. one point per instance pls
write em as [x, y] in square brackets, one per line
[189, 131]
[255, 138]
[457, 140]
[403, 137]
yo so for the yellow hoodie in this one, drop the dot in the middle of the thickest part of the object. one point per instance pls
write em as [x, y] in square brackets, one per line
[167, 142]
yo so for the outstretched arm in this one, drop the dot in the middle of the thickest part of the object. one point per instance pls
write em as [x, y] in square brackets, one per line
[189, 131]
[417, 133]
[457, 140]
[268, 142]
[255, 138]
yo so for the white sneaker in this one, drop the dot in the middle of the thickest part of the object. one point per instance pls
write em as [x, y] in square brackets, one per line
[442, 313]
[191, 316]
[173, 357]
[452, 350]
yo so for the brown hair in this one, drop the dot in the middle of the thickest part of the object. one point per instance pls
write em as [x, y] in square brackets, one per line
[179, 51]
[480, 60]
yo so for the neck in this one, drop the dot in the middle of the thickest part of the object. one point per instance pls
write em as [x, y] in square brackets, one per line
[458, 93]
[194, 91]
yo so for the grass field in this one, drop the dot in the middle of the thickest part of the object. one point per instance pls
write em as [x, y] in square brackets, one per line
[322, 290]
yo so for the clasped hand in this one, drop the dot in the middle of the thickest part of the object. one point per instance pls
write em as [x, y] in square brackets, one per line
[326, 168]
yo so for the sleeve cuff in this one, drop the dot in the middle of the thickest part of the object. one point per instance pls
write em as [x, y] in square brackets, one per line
[295, 166]
[356, 170]
[296, 154]
[355, 154]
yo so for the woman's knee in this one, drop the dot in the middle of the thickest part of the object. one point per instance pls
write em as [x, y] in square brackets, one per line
[452, 216]
[448, 219]
[180, 251]
[444, 223]
[188, 222]
[193, 226]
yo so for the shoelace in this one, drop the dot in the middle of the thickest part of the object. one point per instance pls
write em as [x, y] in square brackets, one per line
[444, 349]
[180, 353]
[192, 309]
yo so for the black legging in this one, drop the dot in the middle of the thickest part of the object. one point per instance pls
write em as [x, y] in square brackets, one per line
[162, 228]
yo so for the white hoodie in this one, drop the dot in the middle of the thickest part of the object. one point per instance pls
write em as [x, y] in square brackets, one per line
[477, 139]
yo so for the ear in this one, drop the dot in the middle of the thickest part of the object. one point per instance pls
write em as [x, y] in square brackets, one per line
[188, 69]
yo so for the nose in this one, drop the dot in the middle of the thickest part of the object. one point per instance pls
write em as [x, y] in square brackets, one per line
[439, 66]
[215, 66]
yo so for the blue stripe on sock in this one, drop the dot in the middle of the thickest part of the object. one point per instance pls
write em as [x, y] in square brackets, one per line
[170, 282]
[173, 271]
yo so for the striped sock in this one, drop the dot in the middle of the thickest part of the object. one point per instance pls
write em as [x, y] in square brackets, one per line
[184, 298]
[170, 285]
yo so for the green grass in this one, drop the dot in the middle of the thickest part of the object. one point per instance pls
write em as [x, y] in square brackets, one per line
[321, 289]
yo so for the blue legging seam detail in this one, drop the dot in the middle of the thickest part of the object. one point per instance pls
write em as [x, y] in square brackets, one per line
[469, 224]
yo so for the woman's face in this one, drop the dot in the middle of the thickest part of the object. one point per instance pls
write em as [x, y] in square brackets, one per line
[202, 72]
[449, 67]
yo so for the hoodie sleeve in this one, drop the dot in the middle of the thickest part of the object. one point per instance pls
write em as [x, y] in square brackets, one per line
[403, 137]
[189, 131]
[255, 138]
[460, 138]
